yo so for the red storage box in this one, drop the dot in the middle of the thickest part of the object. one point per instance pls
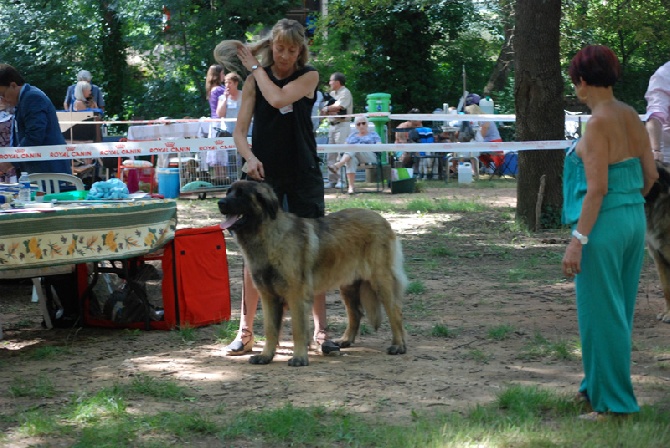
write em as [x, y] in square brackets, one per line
[195, 286]
[195, 278]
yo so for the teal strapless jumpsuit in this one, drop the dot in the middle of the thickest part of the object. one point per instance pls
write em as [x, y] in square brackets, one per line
[608, 283]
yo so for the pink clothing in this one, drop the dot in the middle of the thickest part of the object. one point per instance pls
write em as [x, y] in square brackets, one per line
[658, 103]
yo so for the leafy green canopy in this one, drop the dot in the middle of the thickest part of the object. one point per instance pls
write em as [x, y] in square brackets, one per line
[413, 49]
[145, 68]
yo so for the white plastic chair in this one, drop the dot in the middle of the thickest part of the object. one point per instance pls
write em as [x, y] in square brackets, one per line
[50, 182]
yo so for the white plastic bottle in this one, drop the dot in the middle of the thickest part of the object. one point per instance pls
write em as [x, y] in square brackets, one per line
[24, 188]
[487, 106]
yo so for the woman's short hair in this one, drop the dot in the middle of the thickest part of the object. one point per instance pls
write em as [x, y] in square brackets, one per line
[597, 65]
[79, 90]
[360, 118]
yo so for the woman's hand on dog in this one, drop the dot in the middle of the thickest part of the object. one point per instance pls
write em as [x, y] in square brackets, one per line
[572, 260]
[255, 169]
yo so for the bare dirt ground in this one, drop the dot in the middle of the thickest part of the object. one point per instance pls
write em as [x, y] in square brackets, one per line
[496, 290]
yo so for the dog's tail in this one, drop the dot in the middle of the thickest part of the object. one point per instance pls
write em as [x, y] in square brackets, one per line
[399, 271]
[368, 297]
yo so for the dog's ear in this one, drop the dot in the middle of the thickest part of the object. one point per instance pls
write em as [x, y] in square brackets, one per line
[268, 201]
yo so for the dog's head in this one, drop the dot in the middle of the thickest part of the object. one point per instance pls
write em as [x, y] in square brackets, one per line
[246, 205]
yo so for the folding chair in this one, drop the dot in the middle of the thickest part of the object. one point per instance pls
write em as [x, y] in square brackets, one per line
[509, 166]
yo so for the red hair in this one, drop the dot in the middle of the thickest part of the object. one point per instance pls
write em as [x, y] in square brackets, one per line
[597, 65]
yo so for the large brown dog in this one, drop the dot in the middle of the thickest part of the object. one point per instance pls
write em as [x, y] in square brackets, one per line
[291, 259]
[657, 210]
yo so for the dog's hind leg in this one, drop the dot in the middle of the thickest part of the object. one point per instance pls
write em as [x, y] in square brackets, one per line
[663, 268]
[350, 295]
[273, 313]
[390, 294]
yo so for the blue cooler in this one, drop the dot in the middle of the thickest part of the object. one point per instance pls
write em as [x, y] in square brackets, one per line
[168, 182]
[510, 164]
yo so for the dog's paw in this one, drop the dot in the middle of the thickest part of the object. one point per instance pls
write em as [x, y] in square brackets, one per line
[396, 349]
[343, 343]
[260, 359]
[298, 361]
[664, 317]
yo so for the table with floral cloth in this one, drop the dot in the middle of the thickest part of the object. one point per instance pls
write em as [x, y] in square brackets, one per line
[82, 232]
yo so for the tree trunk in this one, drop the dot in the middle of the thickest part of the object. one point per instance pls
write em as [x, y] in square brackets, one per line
[113, 59]
[498, 78]
[538, 95]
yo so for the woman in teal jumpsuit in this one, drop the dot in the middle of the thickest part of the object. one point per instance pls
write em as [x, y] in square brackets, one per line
[606, 175]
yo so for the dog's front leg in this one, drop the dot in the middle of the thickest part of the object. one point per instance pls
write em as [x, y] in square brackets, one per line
[273, 312]
[299, 327]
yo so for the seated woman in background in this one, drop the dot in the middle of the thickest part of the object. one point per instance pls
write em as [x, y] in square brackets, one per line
[82, 97]
[488, 132]
[85, 169]
[362, 135]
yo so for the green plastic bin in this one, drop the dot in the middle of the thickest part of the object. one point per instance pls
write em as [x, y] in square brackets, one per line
[379, 102]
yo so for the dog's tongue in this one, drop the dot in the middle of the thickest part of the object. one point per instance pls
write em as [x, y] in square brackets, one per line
[229, 221]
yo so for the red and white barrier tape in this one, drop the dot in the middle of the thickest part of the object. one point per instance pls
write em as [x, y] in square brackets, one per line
[203, 145]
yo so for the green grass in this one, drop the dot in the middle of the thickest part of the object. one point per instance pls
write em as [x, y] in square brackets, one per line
[227, 331]
[34, 387]
[501, 332]
[519, 416]
[425, 205]
[420, 205]
[187, 333]
[541, 347]
[479, 356]
[442, 331]
[365, 329]
[47, 352]
[416, 287]
[442, 251]
[151, 387]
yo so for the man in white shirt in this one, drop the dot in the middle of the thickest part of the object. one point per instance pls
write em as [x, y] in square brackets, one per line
[339, 127]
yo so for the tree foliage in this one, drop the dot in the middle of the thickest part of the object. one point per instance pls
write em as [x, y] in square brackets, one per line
[637, 30]
[413, 49]
[145, 68]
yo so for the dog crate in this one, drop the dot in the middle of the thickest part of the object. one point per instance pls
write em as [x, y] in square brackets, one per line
[204, 173]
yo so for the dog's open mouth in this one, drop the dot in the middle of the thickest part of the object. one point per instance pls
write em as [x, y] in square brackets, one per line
[230, 220]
